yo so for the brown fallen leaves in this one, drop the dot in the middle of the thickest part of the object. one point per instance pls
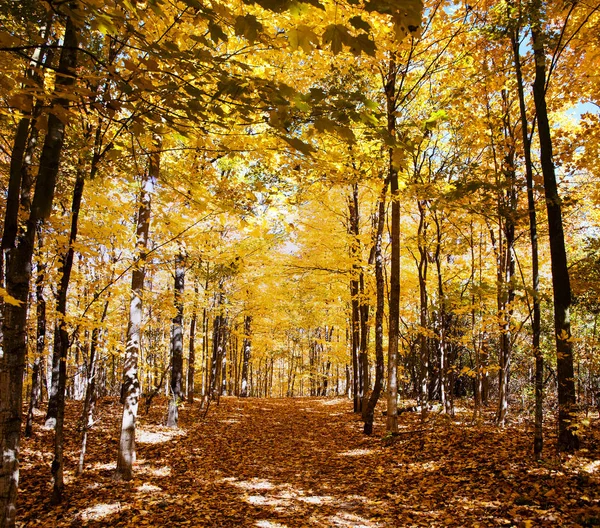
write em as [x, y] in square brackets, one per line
[306, 463]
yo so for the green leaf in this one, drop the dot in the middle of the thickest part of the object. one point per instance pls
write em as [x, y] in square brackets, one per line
[368, 118]
[432, 121]
[301, 104]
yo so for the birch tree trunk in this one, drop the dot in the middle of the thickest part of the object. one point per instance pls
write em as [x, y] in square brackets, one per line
[177, 343]
[130, 392]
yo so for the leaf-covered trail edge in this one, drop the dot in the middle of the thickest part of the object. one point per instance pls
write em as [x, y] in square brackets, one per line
[305, 462]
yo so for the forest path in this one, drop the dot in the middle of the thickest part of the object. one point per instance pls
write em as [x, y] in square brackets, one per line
[305, 463]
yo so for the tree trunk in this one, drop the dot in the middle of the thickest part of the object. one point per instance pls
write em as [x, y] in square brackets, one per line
[507, 211]
[538, 441]
[192, 349]
[177, 343]
[379, 314]
[62, 340]
[442, 321]
[22, 151]
[353, 229]
[423, 302]
[40, 345]
[18, 276]
[87, 415]
[224, 340]
[247, 346]
[394, 302]
[130, 392]
[567, 439]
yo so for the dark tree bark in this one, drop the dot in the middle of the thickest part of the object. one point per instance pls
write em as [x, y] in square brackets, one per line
[130, 392]
[394, 302]
[18, 277]
[379, 313]
[567, 439]
[224, 337]
[40, 346]
[192, 349]
[19, 183]
[87, 415]
[177, 343]
[61, 335]
[422, 268]
[507, 212]
[247, 351]
[363, 357]
[216, 355]
[538, 441]
[353, 229]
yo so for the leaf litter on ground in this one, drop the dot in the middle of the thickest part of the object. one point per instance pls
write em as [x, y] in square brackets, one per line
[304, 462]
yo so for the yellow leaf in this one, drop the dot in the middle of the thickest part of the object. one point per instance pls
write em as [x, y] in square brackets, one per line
[9, 298]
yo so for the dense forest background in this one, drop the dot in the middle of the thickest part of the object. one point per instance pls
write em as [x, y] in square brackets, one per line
[371, 199]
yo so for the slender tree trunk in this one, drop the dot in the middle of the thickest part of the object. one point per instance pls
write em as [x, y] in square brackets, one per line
[216, 355]
[61, 338]
[353, 229]
[423, 304]
[192, 349]
[40, 346]
[538, 442]
[394, 302]
[364, 343]
[130, 392]
[18, 276]
[442, 320]
[177, 343]
[247, 350]
[224, 340]
[87, 415]
[379, 313]
[567, 439]
[506, 267]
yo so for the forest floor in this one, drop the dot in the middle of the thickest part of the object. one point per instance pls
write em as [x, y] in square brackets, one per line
[305, 463]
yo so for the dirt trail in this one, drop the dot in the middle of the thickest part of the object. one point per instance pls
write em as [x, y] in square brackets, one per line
[305, 462]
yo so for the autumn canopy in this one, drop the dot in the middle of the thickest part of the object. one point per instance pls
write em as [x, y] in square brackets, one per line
[388, 201]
